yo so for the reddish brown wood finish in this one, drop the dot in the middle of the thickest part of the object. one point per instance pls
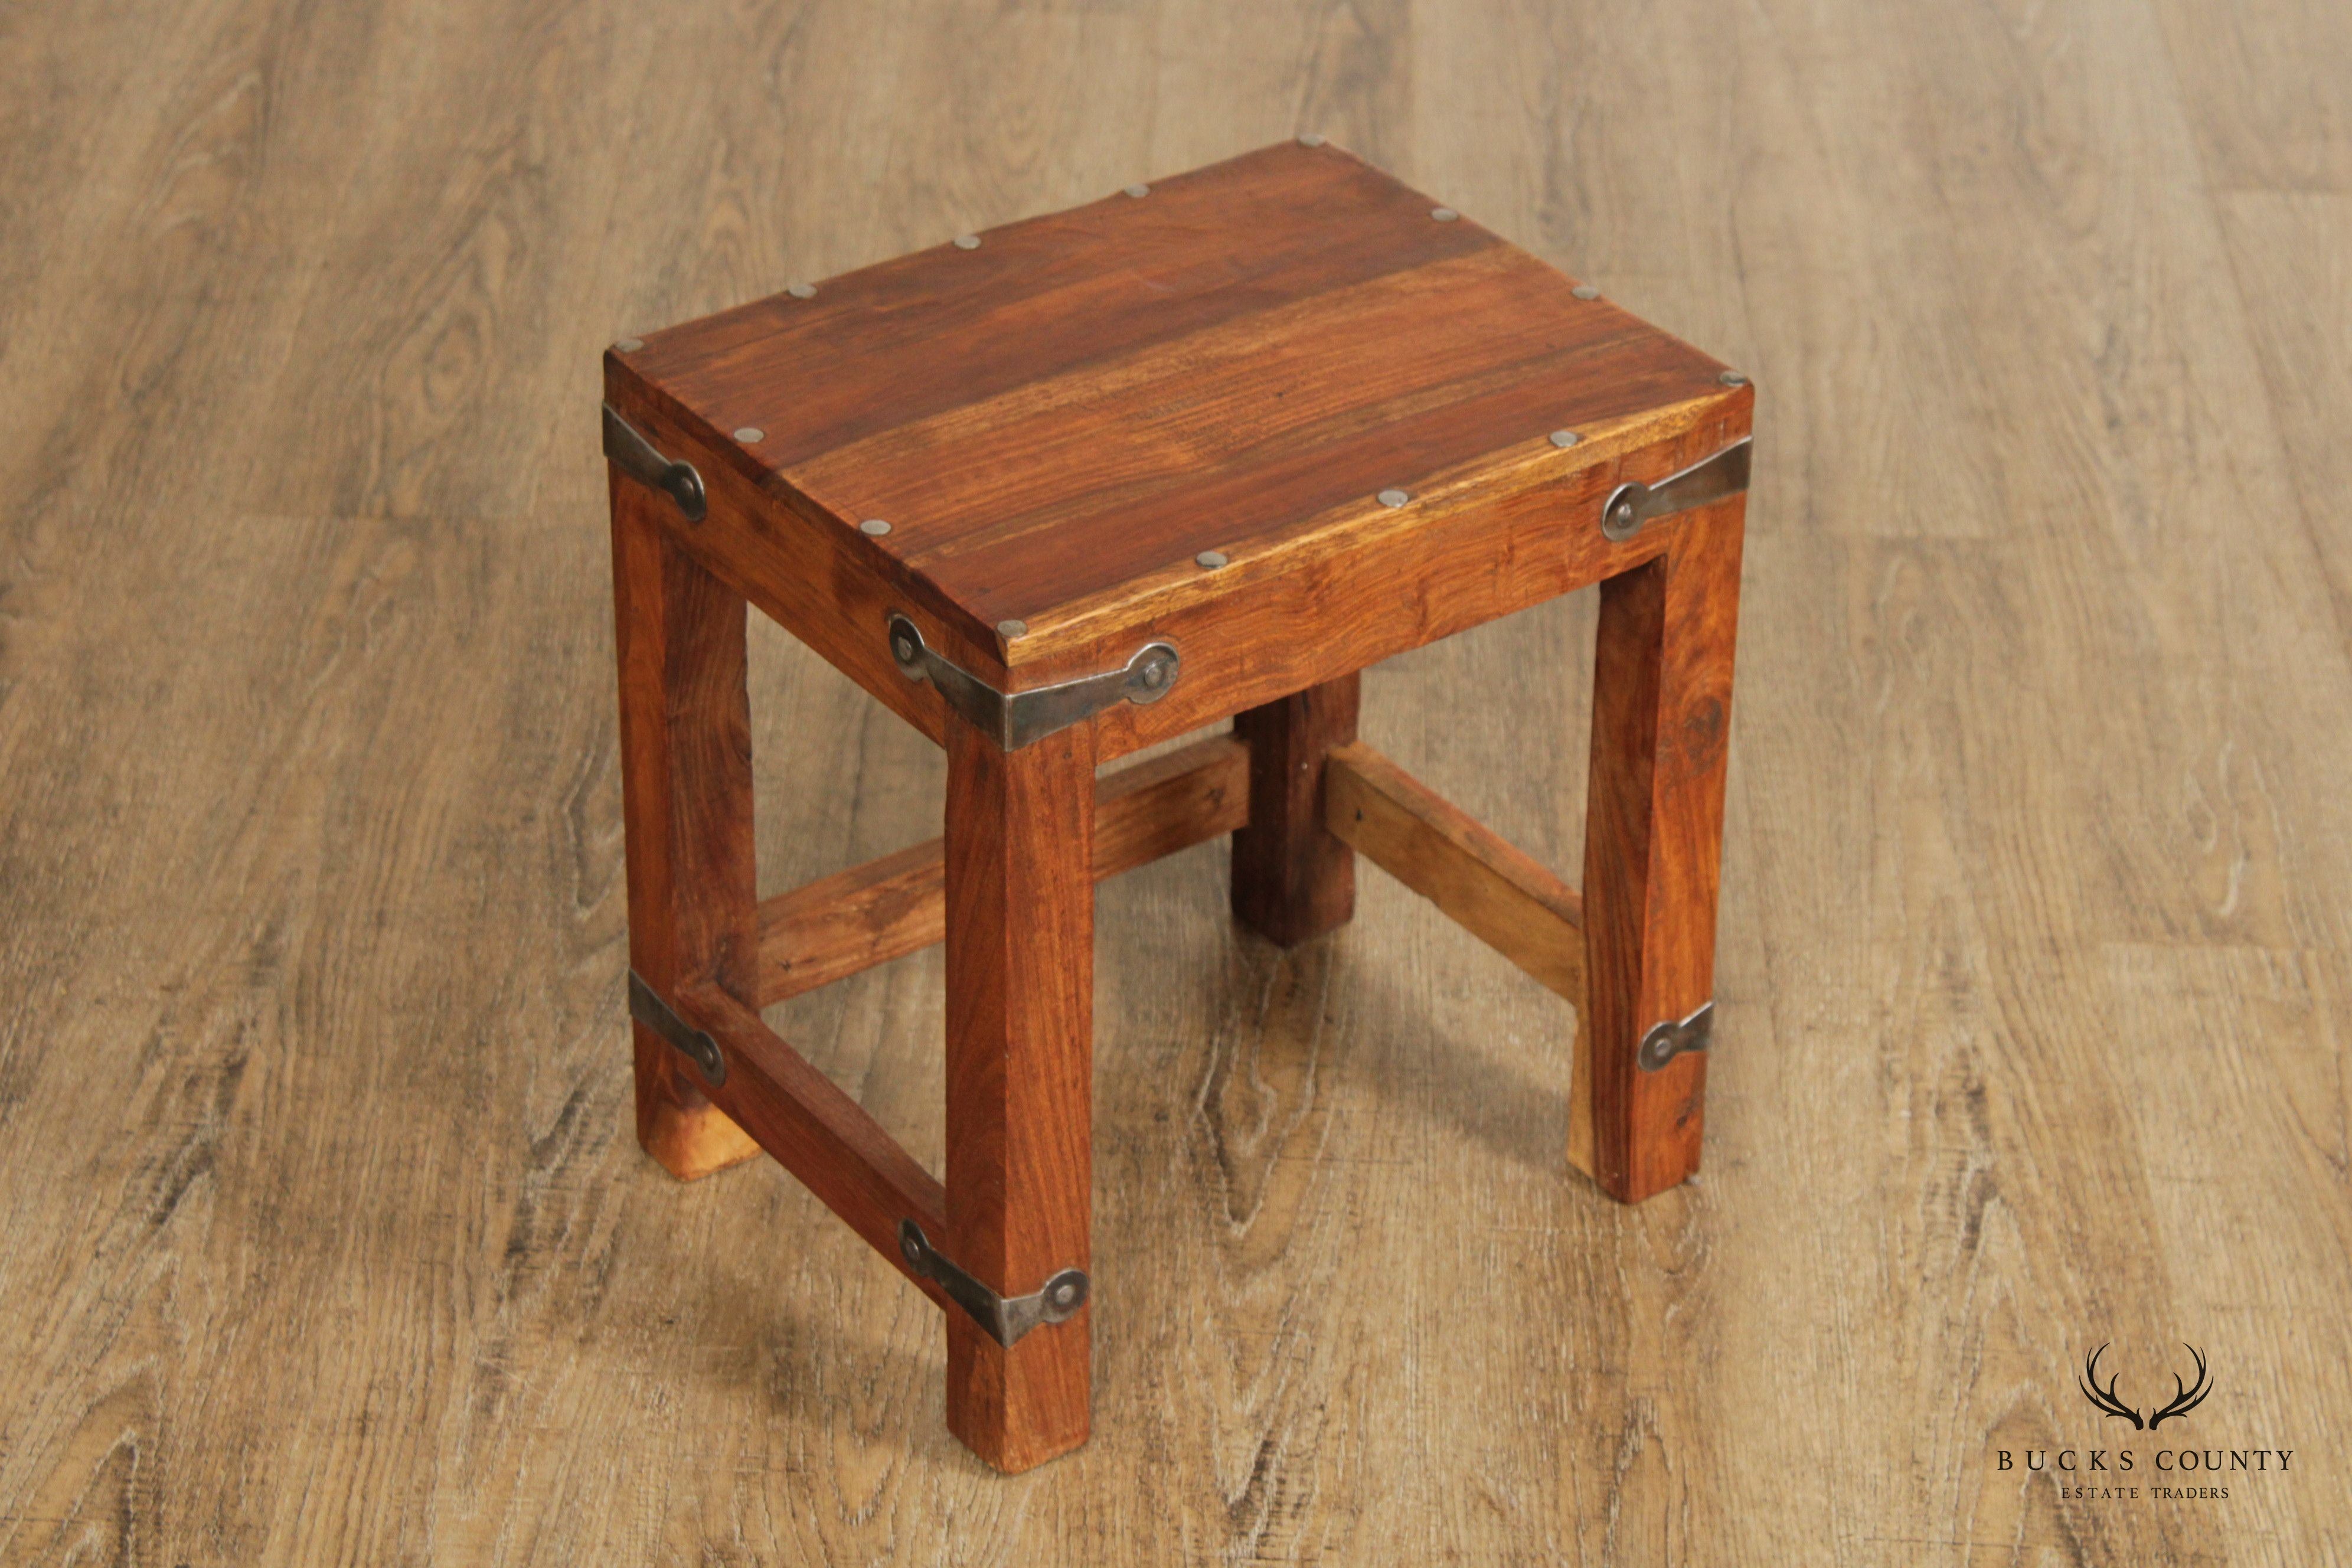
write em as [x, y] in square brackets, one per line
[1056, 425]
[838, 925]
[1019, 1077]
[1653, 846]
[1171, 802]
[685, 791]
[1050, 296]
[888, 908]
[1372, 580]
[1057, 422]
[816, 1131]
[819, 581]
[1491, 889]
[1293, 878]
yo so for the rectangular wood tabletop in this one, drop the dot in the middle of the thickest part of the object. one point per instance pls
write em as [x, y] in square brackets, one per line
[1061, 415]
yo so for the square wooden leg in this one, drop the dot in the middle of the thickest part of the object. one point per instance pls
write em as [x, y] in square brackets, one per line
[1653, 846]
[1293, 879]
[685, 788]
[1019, 1079]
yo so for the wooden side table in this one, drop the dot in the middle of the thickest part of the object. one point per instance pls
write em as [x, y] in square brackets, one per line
[1066, 489]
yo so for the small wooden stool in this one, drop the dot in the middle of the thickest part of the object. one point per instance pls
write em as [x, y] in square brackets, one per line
[1058, 492]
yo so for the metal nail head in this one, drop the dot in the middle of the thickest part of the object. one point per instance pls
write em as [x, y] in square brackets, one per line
[1585, 291]
[1444, 214]
[1212, 559]
[1139, 190]
[750, 434]
[801, 290]
[873, 527]
[1565, 437]
[1012, 628]
[967, 242]
[1732, 378]
[1394, 497]
[1310, 140]
[629, 345]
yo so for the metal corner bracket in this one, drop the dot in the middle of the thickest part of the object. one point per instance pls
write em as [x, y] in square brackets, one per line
[648, 1008]
[1016, 719]
[1669, 1038]
[1006, 1317]
[636, 457]
[1630, 506]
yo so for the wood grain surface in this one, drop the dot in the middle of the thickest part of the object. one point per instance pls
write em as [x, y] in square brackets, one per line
[324, 1233]
[1061, 411]
[679, 639]
[1019, 1167]
[897, 904]
[1291, 877]
[1492, 889]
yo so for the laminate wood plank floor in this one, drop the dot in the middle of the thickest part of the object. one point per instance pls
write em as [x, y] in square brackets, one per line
[323, 1235]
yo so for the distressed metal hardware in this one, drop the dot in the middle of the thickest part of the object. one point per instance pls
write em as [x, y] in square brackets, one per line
[1630, 506]
[646, 1007]
[636, 457]
[1668, 1039]
[1006, 1317]
[1016, 719]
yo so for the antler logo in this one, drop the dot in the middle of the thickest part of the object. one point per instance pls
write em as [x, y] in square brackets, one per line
[2184, 1399]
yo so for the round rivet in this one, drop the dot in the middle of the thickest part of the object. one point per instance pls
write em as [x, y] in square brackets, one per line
[1585, 291]
[801, 290]
[967, 242]
[873, 527]
[1732, 378]
[1139, 190]
[750, 434]
[1565, 437]
[1444, 214]
[1012, 628]
[1393, 498]
[1212, 559]
[629, 345]
[1310, 140]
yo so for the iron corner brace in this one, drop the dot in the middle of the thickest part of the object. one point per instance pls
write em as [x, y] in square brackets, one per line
[1670, 1038]
[1006, 1317]
[636, 457]
[1015, 719]
[1630, 506]
[647, 1006]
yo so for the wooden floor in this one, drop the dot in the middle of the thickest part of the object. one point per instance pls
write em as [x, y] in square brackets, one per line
[323, 1237]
